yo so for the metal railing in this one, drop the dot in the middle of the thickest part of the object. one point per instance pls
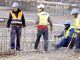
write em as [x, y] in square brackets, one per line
[54, 8]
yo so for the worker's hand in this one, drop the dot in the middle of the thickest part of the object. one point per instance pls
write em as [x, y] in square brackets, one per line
[55, 36]
[24, 28]
[77, 27]
[36, 25]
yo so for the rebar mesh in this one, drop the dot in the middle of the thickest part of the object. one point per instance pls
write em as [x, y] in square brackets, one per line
[59, 15]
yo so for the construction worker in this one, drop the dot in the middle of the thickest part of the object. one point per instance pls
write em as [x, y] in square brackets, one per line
[17, 21]
[76, 16]
[67, 35]
[42, 27]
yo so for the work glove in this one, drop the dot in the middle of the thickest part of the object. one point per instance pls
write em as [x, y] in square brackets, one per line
[24, 28]
[55, 36]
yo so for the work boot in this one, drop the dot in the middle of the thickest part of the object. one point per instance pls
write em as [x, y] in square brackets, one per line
[18, 49]
[36, 50]
[77, 50]
[12, 51]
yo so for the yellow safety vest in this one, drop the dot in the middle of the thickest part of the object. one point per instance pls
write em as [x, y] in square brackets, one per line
[77, 23]
[16, 20]
[67, 32]
[43, 18]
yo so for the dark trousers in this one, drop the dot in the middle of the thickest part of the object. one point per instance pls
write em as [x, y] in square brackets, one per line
[43, 32]
[77, 41]
[15, 32]
[65, 42]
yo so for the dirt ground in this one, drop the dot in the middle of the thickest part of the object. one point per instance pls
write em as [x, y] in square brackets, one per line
[27, 45]
[28, 39]
[61, 54]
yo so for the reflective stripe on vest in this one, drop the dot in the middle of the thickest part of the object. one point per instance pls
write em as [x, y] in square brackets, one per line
[16, 20]
[67, 32]
[43, 18]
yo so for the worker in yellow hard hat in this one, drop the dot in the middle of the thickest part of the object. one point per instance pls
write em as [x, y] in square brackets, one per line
[42, 27]
[17, 21]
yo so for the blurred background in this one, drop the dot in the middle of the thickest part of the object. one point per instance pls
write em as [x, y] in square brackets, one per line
[58, 7]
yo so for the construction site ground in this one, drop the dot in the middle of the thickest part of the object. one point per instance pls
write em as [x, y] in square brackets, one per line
[29, 36]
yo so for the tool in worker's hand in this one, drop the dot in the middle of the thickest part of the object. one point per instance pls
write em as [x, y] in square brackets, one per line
[70, 41]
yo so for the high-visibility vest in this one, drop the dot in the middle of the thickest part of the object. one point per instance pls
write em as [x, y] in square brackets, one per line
[16, 19]
[77, 24]
[43, 18]
[68, 31]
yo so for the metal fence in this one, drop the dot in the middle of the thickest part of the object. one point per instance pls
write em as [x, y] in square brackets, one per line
[28, 38]
[54, 8]
[57, 12]
[27, 41]
[66, 1]
[59, 8]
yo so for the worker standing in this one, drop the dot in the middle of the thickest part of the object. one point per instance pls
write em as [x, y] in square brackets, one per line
[75, 13]
[42, 27]
[17, 21]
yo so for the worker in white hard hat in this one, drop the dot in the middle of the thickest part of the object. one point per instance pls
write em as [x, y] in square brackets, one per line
[17, 21]
[40, 6]
[15, 5]
[75, 13]
[42, 27]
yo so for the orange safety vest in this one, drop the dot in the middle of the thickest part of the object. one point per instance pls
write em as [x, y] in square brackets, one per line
[16, 20]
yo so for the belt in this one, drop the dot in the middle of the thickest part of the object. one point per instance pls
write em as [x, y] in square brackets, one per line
[42, 27]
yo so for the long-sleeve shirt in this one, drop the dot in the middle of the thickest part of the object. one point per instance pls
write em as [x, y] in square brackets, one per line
[71, 31]
[16, 13]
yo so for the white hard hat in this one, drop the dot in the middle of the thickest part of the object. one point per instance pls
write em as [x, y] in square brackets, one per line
[40, 6]
[74, 11]
[15, 4]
